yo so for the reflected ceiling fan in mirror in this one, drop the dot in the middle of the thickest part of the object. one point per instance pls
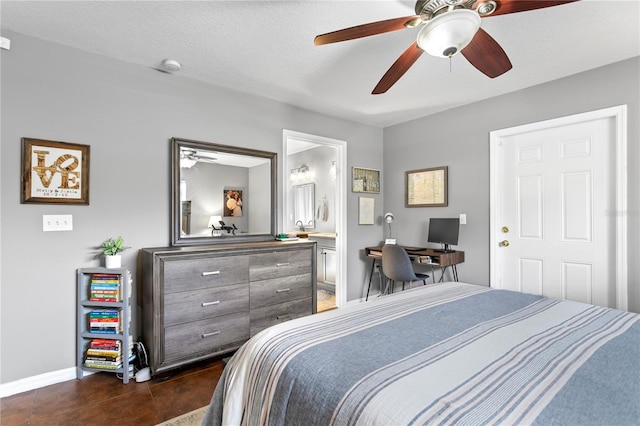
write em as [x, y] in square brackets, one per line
[189, 157]
[448, 27]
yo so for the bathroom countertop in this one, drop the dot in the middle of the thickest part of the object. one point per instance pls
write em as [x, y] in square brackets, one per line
[323, 235]
[313, 234]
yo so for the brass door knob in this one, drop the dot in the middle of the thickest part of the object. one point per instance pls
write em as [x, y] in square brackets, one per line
[505, 229]
[504, 243]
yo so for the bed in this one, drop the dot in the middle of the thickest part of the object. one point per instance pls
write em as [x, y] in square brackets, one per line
[450, 353]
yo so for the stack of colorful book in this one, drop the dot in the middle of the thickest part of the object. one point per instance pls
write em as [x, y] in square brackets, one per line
[105, 354]
[105, 287]
[105, 321]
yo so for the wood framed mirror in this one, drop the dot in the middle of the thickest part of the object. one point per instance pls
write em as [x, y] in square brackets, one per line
[221, 193]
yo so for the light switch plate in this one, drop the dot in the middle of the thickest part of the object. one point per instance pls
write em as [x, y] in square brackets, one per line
[463, 218]
[57, 222]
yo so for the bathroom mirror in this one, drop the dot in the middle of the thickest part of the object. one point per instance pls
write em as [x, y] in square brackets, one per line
[303, 205]
[221, 193]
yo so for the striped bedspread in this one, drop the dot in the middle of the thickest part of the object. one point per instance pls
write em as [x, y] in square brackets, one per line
[449, 353]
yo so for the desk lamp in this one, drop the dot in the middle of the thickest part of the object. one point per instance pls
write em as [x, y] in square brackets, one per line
[388, 218]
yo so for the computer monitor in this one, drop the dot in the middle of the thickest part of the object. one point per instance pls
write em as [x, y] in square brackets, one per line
[444, 231]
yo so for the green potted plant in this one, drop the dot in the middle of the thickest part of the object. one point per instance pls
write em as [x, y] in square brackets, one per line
[111, 249]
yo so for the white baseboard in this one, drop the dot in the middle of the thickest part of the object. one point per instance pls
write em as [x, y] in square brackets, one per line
[39, 381]
[354, 302]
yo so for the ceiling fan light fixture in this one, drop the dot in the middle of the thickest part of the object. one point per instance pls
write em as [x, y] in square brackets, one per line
[187, 163]
[449, 33]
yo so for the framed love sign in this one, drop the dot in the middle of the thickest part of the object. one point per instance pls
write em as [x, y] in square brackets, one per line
[54, 172]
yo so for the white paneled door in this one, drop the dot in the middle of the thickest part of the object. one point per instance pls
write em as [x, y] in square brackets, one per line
[554, 222]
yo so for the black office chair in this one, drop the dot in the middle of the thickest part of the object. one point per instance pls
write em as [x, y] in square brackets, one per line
[397, 266]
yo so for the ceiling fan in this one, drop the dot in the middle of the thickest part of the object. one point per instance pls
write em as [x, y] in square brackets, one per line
[449, 27]
[189, 157]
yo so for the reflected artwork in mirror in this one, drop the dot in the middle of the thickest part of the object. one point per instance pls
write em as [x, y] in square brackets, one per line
[303, 206]
[221, 193]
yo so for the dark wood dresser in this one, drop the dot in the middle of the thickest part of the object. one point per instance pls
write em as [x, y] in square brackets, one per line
[203, 301]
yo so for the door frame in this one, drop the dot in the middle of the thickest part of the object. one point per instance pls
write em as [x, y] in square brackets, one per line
[619, 116]
[341, 201]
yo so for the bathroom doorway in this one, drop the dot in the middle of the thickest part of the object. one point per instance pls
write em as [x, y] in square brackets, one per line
[319, 163]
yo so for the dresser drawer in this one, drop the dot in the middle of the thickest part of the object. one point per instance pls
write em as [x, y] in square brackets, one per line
[278, 290]
[206, 336]
[196, 273]
[265, 266]
[267, 316]
[205, 303]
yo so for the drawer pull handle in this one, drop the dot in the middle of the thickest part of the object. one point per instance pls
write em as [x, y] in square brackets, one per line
[282, 264]
[283, 317]
[204, 274]
[283, 290]
[204, 304]
[210, 334]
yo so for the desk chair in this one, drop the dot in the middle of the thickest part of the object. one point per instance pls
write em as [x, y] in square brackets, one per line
[397, 266]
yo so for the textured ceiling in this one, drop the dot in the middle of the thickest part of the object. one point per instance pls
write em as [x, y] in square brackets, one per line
[266, 48]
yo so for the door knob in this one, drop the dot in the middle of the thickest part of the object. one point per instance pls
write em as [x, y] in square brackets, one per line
[504, 243]
[505, 229]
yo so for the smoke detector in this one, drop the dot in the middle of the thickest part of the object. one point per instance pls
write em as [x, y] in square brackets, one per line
[170, 65]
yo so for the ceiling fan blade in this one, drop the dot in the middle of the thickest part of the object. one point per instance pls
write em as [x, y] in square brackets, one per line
[486, 55]
[399, 67]
[512, 6]
[366, 30]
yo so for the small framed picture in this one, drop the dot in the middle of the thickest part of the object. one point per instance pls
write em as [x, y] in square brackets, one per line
[427, 187]
[54, 172]
[365, 180]
[366, 211]
[232, 202]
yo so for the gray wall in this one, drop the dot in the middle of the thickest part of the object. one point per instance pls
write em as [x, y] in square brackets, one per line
[127, 114]
[459, 139]
[258, 220]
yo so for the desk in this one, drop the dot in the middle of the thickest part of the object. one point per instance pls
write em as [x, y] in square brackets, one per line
[422, 256]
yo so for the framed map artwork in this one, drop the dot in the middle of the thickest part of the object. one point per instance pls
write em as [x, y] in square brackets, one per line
[427, 187]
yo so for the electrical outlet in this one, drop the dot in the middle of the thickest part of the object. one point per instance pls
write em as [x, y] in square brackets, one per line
[463, 218]
[57, 222]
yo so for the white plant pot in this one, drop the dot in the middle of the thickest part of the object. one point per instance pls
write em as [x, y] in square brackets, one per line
[114, 261]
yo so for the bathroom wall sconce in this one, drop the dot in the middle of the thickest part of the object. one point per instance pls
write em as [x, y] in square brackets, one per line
[301, 173]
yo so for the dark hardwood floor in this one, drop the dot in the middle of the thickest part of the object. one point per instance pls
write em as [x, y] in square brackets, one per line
[102, 399]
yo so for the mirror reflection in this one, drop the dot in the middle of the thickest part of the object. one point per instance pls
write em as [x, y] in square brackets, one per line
[221, 193]
[303, 208]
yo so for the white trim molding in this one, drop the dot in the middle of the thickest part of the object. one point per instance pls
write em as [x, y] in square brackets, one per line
[341, 202]
[39, 381]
